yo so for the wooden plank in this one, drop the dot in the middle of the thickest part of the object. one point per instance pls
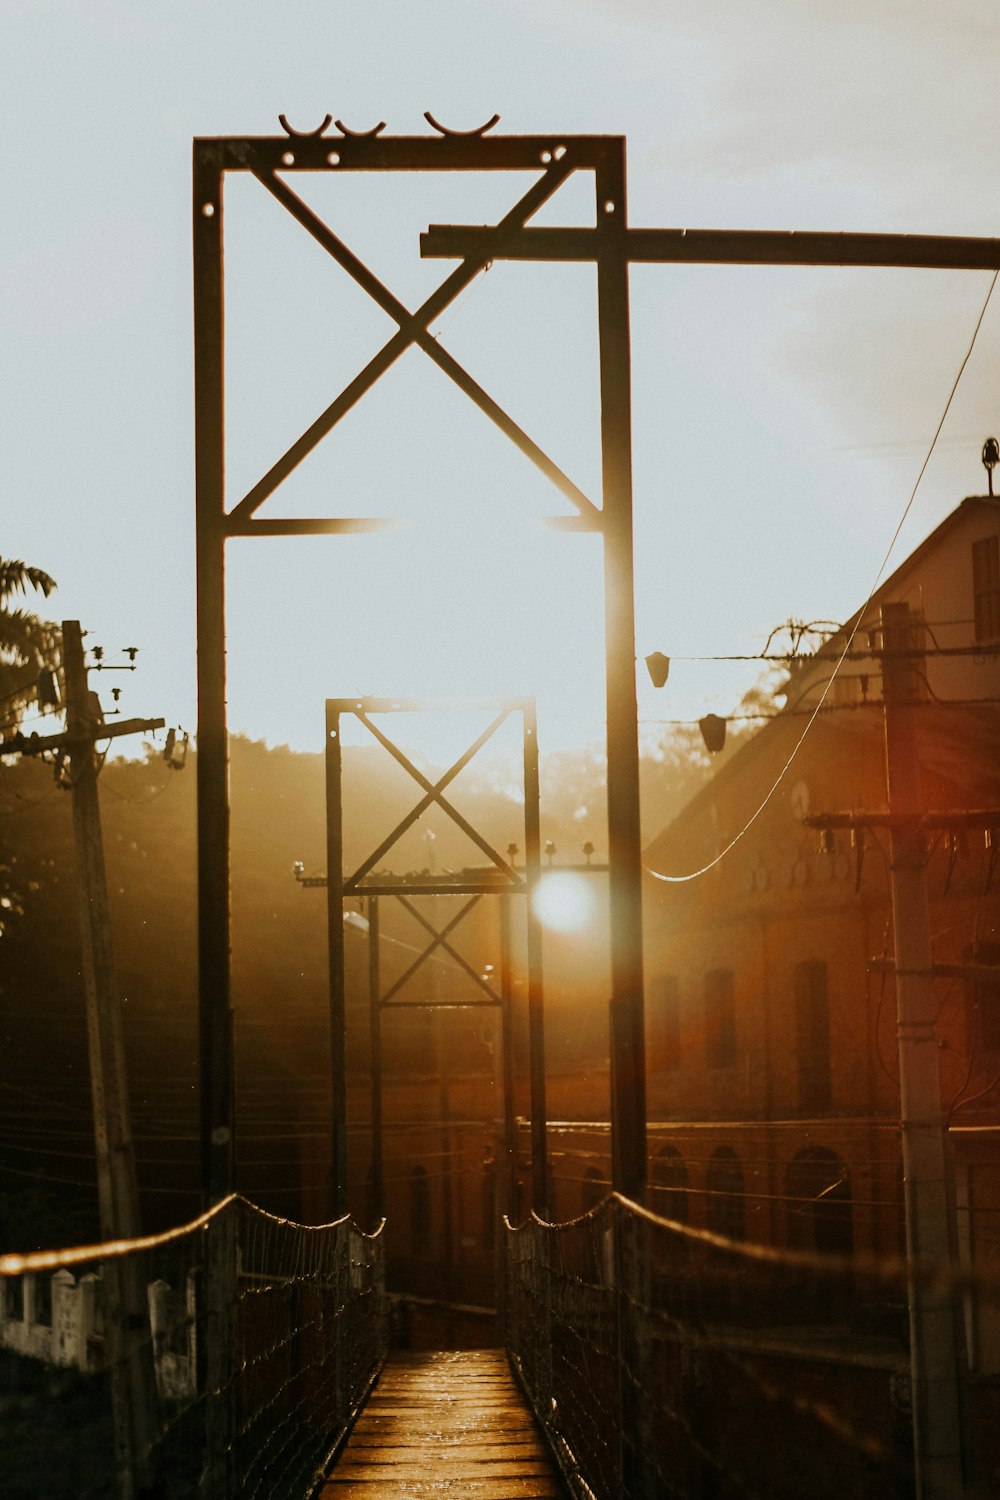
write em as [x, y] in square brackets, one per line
[410, 1490]
[471, 1452]
[445, 1422]
[415, 1470]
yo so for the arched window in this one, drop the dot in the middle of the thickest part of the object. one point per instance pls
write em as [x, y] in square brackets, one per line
[726, 1194]
[595, 1188]
[420, 1211]
[819, 1206]
[669, 1184]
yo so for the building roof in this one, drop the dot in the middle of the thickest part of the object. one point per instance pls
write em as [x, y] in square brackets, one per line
[891, 586]
[959, 747]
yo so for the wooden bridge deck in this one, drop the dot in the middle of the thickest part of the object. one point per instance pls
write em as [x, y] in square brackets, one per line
[445, 1423]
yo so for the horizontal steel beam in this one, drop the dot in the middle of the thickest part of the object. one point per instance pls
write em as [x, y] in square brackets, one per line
[257, 525]
[368, 887]
[440, 1004]
[495, 153]
[308, 525]
[753, 247]
[421, 705]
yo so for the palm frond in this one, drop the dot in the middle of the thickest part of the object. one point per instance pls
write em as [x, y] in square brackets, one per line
[18, 577]
[29, 646]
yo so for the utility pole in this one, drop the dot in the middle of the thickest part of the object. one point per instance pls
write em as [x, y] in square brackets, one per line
[937, 1428]
[129, 1354]
[933, 1351]
[132, 1388]
[116, 1179]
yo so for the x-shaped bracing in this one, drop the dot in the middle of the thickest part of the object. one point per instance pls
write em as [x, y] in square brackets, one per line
[433, 793]
[414, 330]
[439, 939]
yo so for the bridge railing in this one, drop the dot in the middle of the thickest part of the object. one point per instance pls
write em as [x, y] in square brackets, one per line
[666, 1361]
[256, 1342]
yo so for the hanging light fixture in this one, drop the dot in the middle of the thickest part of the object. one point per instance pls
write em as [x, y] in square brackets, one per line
[658, 667]
[713, 732]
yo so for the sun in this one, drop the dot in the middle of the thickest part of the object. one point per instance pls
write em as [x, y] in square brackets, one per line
[565, 902]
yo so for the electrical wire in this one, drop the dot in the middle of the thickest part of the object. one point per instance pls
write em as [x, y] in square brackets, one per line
[819, 655]
[737, 838]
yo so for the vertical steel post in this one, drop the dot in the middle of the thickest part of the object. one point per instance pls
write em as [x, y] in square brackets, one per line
[335, 941]
[536, 1004]
[215, 1008]
[507, 1175]
[933, 1351]
[437, 1021]
[505, 1152]
[375, 1035]
[628, 1068]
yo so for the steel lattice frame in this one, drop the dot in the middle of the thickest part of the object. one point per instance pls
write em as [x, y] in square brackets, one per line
[498, 878]
[553, 159]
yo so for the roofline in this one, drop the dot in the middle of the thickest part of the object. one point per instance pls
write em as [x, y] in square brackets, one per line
[756, 741]
[961, 512]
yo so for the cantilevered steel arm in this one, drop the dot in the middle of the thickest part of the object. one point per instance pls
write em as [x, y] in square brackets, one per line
[751, 247]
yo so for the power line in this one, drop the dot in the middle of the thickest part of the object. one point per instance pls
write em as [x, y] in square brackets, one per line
[738, 837]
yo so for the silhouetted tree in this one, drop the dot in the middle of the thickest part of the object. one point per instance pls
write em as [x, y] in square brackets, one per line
[29, 646]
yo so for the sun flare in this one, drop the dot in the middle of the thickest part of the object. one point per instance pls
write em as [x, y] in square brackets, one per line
[564, 901]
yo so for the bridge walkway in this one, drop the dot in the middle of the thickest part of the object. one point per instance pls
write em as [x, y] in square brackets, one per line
[445, 1422]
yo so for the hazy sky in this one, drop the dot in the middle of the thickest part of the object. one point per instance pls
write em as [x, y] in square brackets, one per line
[780, 416]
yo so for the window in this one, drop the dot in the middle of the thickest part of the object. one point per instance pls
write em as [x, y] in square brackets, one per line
[664, 1023]
[726, 1194]
[986, 587]
[720, 1018]
[812, 1035]
[670, 1181]
[983, 999]
[818, 1200]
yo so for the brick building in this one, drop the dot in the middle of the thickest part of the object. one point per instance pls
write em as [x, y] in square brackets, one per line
[771, 1035]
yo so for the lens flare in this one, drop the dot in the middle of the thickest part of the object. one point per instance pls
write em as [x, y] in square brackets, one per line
[564, 901]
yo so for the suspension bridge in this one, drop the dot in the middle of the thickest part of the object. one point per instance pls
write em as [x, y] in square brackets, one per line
[635, 1357]
[245, 1357]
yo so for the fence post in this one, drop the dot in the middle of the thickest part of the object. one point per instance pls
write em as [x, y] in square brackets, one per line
[218, 1347]
[159, 1296]
[28, 1299]
[65, 1319]
[544, 1245]
[632, 1300]
[90, 1348]
[341, 1291]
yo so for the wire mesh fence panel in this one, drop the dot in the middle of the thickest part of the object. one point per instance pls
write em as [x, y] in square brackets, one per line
[562, 1334]
[260, 1340]
[309, 1341]
[668, 1361]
